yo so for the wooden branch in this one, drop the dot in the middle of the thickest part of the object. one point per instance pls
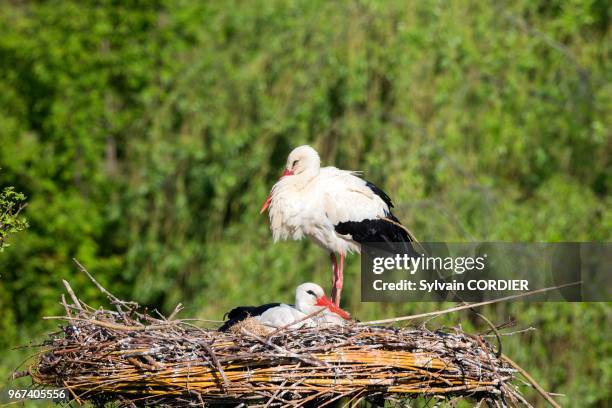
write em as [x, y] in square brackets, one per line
[532, 381]
[75, 300]
[213, 357]
[95, 282]
[467, 306]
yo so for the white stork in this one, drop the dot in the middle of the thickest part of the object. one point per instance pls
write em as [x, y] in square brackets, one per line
[309, 298]
[335, 208]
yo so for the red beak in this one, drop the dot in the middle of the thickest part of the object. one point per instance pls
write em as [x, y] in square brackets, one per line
[266, 204]
[327, 302]
[269, 199]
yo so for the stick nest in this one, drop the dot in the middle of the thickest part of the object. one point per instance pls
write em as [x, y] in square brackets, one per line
[129, 357]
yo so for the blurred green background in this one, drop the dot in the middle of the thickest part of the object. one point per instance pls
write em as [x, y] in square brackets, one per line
[146, 136]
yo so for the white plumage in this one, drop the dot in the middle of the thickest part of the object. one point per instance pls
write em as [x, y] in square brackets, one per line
[313, 208]
[334, 208]
[309, 298]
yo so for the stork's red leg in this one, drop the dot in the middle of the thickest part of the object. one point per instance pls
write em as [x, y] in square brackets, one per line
[339, 281]
[335, 271]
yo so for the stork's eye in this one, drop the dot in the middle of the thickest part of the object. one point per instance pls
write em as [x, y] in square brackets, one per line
[294, 163]
[310, 292]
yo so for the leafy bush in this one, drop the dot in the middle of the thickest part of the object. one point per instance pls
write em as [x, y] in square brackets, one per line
[11, 204]
[146, 135]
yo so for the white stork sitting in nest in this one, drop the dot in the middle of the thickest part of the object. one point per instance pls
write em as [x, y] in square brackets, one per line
[335, 208]
[312, 308]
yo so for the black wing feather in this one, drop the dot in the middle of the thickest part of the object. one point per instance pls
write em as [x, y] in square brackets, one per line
[379, 230]
[240, 313]
[383, 196]
[374, 230]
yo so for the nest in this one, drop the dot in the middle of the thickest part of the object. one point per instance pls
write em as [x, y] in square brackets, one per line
[130, 357]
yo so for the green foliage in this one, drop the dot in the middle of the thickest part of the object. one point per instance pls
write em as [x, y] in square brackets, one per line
[11, 204]
[147, 135]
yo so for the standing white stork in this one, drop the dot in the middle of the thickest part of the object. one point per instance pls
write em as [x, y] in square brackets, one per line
[309, 298]
[335, 208]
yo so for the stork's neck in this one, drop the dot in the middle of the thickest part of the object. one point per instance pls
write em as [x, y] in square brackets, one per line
[301, 180]
[305, 307]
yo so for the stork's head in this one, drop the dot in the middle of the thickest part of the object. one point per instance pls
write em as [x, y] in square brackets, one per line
[303, 163]
[310, 298]
[303, 159]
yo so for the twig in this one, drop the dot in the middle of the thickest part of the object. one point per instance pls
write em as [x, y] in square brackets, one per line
[532, 381]
[280, 329]
[66, 308]
[113, 326]
[213, 357]
[76, 397]
[19, 374]
[468, 306]
[275, 395]
[176, 311]
[307, 360]
[528, 329]
[72, 295]
[498, 352]
[112, 297]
